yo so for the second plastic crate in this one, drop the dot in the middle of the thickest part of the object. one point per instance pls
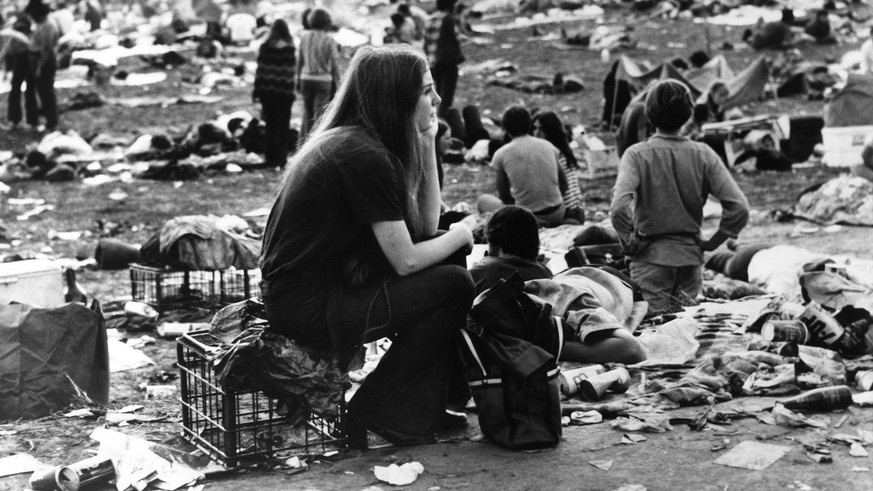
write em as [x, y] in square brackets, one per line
[235, 425]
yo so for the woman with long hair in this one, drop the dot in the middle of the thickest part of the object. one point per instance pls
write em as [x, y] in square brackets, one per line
[351, 251]
[548, 126]
[317, 67]
[274, 89]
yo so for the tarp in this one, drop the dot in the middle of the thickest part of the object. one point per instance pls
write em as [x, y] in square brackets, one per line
[745, 87]
[41, 350]
[853, 105]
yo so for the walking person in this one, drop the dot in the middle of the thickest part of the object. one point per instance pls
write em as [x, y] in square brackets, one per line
[443, 50]
[16, 57]
[274, 89]
[351, 251]
[43, 42]
[317, 68]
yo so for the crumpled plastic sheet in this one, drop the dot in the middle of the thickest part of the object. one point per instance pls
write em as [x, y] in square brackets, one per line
[304, 380]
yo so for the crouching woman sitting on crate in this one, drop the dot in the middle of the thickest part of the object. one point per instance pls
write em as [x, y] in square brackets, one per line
[351, 250]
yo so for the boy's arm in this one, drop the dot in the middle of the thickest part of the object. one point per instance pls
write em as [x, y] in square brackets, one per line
[623, 196]
[735, 207]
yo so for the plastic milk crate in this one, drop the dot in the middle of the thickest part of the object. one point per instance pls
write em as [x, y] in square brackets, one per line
[239, 284]
[167, 289]
[237, 425]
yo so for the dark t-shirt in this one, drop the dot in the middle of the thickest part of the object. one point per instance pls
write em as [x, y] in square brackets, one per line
[319, 229]
[489, 271]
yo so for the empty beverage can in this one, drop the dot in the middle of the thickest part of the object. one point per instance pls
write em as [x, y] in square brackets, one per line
[85, 473]
[789, 330]
[822, 326]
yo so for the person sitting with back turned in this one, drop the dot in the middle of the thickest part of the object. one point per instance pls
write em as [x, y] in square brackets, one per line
[513, 246]
[528, 172]
[658, 198]
[351, 251]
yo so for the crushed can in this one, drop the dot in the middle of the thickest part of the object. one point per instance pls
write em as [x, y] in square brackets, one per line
[822, 326]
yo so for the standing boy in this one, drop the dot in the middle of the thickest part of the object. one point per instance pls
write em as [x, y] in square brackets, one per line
[657, 203]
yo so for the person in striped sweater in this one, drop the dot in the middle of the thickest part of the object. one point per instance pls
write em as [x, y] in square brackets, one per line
[274, 89]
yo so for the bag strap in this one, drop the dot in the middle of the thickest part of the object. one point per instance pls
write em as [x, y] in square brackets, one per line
[474, 352]
[559, 322]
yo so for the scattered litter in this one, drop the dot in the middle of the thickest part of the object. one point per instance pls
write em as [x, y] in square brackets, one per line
[585, 417]
[858, 450]
[649, 425]
[294, 463]
[632, 438]
[820, 458]
[117, 418]
[858, 468]
[20, 463]
[160, 391]
[752, 455]
[399, 475]
[173, 330]
[123, 357]
[787, 417]
[863, 399]
[603, 465]
[140, 342]
[85, 412]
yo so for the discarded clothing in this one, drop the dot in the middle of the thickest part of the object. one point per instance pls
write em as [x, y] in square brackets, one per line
[203, 243]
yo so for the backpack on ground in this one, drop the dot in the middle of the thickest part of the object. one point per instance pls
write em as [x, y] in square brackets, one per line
[510, 349]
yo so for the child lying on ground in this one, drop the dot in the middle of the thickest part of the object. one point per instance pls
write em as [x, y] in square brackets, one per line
[598, 305]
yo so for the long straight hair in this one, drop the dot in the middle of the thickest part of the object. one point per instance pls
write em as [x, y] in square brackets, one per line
[553, 131]
[378, 94]
[279, 32]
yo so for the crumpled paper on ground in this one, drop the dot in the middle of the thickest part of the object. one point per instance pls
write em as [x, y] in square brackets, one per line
[399, 475]
[651, 424]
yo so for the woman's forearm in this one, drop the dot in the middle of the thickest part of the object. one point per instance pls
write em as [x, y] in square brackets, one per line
[429, 193]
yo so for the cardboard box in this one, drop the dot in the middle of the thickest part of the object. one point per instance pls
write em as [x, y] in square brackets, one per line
[36, 282]
[596, 164]
[843, 145]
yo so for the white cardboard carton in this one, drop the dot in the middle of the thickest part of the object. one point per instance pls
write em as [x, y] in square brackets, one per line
[37, 282]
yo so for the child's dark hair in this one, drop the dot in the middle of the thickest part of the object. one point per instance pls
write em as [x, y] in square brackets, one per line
[446, 5]
[515, 230]
[397, 19]
[669, 105]
[517, 121]
[403, 8]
